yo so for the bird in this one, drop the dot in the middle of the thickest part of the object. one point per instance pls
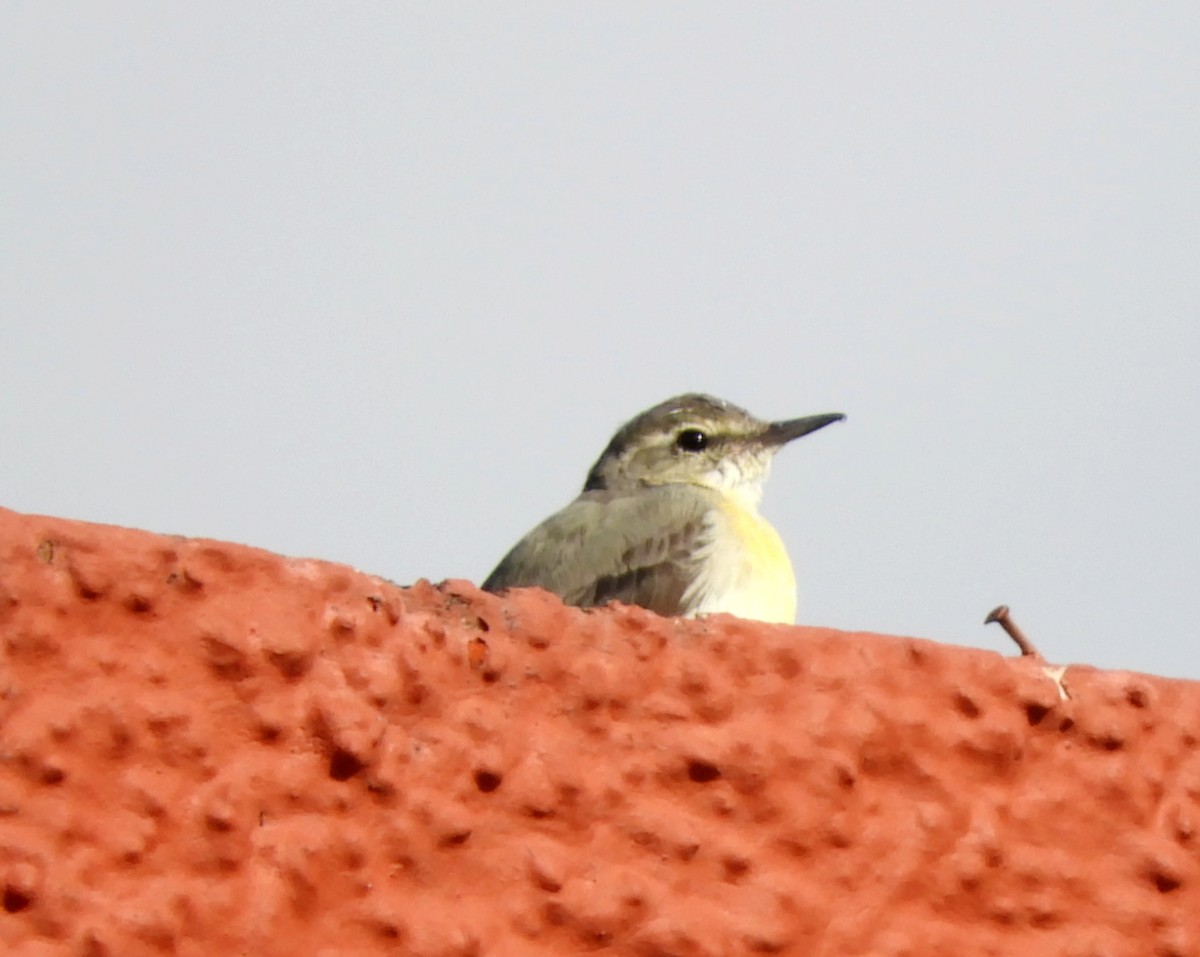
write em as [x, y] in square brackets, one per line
[668, 519]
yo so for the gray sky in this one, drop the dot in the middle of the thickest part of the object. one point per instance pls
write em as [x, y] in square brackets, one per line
[375, 282]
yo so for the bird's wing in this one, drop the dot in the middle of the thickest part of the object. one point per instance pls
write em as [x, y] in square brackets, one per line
[640, 549]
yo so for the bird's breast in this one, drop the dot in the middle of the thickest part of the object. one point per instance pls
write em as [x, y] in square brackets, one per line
[748, 572]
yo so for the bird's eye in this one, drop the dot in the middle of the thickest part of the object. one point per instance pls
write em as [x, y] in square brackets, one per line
[691, 440]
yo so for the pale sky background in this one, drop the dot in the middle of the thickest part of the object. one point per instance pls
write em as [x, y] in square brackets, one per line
[375, 282]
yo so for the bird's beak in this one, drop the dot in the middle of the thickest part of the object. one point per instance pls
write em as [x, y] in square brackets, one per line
[780, 433]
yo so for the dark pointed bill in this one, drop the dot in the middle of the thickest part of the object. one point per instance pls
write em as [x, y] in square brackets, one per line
[779, 433]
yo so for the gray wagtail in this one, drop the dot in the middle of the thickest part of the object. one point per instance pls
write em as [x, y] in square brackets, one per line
[668, 519]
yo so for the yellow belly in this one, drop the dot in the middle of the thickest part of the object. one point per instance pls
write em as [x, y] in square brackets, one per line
[749, 573]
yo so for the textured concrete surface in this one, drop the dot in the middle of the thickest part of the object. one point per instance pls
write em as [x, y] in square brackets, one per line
[209, 749]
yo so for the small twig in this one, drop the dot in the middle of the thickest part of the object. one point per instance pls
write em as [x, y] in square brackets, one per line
[1000, 615]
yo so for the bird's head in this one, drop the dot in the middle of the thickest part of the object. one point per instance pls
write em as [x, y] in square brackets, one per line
[696, 439]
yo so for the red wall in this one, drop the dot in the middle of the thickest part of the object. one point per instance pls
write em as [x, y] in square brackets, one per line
[210, 749]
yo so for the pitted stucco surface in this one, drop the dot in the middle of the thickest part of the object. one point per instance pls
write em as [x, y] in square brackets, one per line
[209, 749]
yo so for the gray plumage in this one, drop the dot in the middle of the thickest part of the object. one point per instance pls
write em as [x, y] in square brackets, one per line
[651, 567]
